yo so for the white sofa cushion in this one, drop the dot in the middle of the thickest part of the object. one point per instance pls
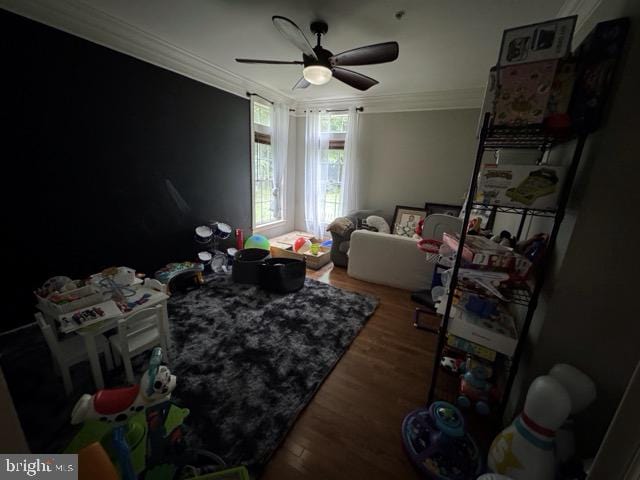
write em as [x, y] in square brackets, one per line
[388, 259]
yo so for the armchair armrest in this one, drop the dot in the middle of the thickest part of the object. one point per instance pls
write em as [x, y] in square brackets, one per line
[388, 260]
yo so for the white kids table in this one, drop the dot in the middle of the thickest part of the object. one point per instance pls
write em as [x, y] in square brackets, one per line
[90, 330]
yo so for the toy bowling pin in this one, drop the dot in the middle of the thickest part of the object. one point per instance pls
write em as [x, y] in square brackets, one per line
[582, 392]
[525, 449]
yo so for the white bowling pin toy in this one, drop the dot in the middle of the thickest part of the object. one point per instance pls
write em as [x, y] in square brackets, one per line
[525, 449]
[582, 391]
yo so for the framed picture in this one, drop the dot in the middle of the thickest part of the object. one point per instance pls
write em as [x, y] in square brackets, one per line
[442, 208]
[406, 219]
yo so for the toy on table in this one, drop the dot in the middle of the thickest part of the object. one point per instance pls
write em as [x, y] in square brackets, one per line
[172, 270]
[525, 450]
[257, 241]
[86, 315]
[128, 306]
[437, 444]
[475, 388]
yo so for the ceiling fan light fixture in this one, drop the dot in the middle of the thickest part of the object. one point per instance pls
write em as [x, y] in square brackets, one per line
[316, 74]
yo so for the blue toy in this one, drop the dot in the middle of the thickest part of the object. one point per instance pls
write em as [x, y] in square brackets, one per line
[475, 387]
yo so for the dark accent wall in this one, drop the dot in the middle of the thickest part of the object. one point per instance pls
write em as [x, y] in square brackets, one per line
[108, 160]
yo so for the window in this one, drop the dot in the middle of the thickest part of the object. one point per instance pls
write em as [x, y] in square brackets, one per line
[332, 166]
[267, 201]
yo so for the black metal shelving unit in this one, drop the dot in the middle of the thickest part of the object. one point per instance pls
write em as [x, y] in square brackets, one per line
[527, 294]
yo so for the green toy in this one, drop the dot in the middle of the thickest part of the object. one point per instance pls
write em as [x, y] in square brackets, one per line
[257, 241]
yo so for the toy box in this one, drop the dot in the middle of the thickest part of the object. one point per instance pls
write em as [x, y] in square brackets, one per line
[481, 252]
[524, 186]
[523, 93]
[597, 57]
[497, 334]
[470, 347]
[282, 247]
[539, 41]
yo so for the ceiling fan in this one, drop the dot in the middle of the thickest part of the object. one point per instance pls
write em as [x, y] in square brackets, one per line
[320, 64]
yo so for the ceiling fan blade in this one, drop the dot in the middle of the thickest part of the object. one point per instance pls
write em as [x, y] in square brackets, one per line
[302, 83]
[270, 62]
[354, 79]
[292, 33]
[369, 55]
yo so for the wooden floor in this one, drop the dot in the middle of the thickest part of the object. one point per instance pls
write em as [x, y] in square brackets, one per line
[351, 428]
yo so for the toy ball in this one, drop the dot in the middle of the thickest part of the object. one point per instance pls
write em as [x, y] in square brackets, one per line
[301, 245]
[257, 241]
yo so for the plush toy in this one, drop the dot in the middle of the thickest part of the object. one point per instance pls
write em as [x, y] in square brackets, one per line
[116, 405]
[504, 238]
[379, 223]
[475, 226]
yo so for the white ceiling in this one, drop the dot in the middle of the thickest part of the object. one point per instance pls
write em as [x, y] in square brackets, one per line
[445, 45]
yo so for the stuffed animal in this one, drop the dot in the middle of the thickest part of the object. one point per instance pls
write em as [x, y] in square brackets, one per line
[379, 223]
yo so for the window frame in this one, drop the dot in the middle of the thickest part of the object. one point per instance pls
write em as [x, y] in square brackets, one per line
[336, 141]
[262, 134]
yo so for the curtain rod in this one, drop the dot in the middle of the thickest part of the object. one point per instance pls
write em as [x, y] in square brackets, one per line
[250, 94]
[358, 109]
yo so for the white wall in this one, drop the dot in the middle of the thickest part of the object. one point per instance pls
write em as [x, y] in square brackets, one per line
[407, 158]
[410, 158]
[589, 314]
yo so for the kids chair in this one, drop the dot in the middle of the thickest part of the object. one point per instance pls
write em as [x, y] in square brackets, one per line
[71, 351]
[138, 333]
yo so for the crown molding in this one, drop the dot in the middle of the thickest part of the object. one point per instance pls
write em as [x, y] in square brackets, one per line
[402, 102]
[88, 22]
[97, 26]
[582, 8]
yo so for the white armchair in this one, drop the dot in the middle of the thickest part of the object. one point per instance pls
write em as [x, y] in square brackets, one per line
[394, 260]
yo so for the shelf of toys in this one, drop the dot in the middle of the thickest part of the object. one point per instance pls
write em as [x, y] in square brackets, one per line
[540, 106]
[492, 284]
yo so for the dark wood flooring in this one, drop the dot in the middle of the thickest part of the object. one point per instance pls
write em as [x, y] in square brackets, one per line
[351, 428]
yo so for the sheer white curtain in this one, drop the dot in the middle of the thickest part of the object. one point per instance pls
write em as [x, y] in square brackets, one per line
[351, 168]
[280, 147]
[315, 146]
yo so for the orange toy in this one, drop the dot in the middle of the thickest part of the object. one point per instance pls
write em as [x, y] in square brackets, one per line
[95, 464]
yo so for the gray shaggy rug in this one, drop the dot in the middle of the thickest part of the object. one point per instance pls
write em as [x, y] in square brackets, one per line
[248, 361]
